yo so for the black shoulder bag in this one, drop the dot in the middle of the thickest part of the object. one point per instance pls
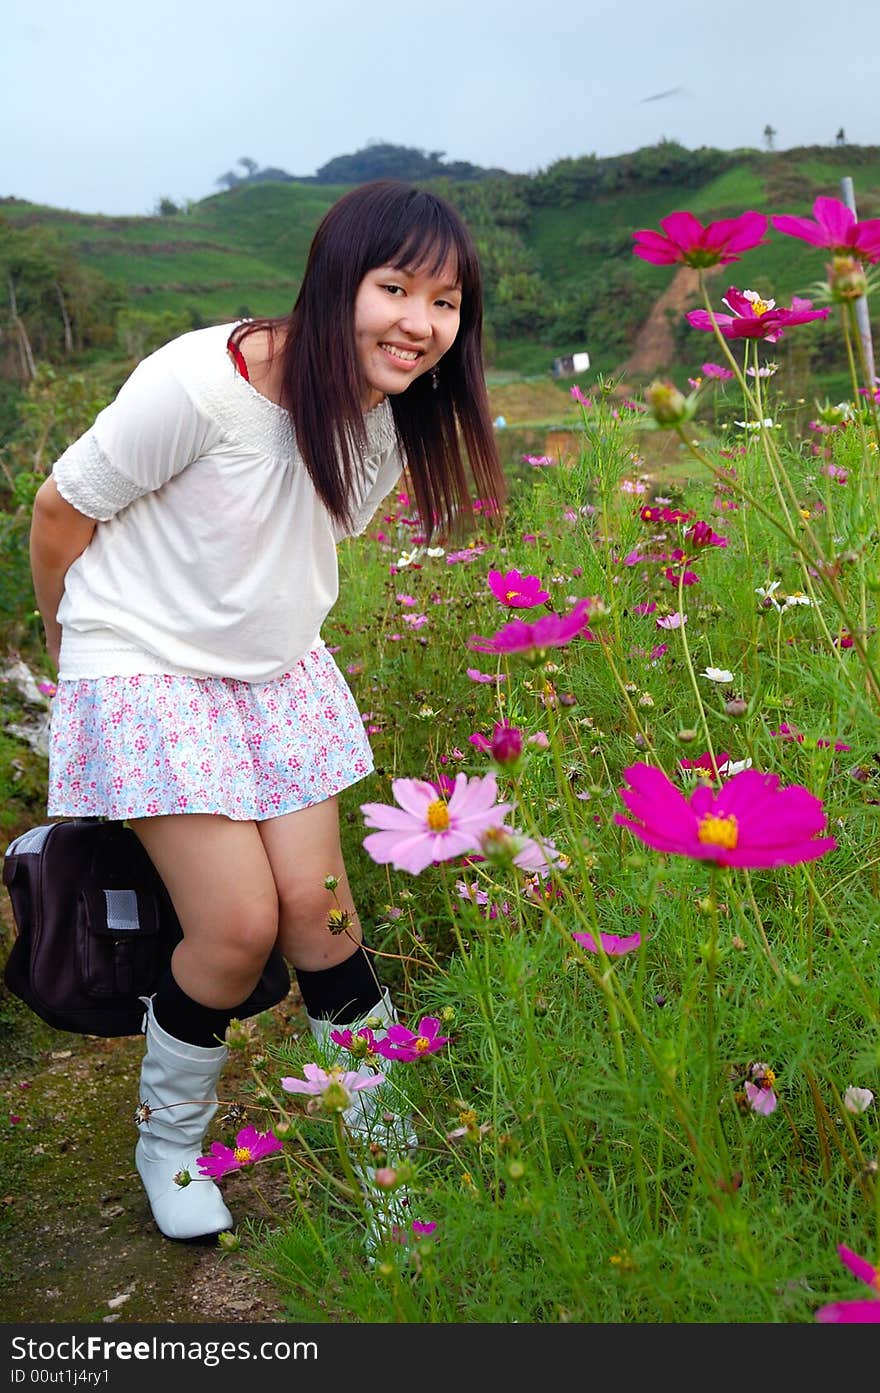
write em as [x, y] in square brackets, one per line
[95, 928]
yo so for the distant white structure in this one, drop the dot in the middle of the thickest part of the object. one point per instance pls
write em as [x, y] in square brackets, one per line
[570, 366]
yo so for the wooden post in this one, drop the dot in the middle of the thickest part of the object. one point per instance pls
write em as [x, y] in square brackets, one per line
[862, 318]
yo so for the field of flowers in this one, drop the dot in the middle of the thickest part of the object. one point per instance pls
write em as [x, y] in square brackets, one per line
[618, 862]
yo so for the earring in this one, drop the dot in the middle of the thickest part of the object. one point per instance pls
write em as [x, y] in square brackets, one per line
[435, 378]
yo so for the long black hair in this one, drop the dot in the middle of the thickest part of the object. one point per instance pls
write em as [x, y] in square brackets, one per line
[389, 223]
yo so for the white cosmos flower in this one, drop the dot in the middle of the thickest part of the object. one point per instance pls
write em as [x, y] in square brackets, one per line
[733, 766]
[717, 674]
[857, 1099]
[406, 558]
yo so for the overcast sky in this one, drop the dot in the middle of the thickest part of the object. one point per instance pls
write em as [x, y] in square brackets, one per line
[110, 105]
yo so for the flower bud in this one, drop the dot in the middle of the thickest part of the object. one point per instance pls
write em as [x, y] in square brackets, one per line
[846, 279]
[668, 405]
[335, 1098]
[507, 743]
[737, 706]
[386, 1178]
[833, 414]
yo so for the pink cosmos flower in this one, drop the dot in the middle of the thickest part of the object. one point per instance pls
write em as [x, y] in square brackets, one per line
[671, 621]
[551, 631]
[701, 535]
[335, 1087]
[250, 1146]
[687, 577]
[444, 784]
[854, 1312]
[717, 371]
[836, 228]
[472, 892]
[349, 1039]
[422, 1230]
[579, 397]
[663, 513]
[539, 461]
[409, 1045]
[514, 589]
[761, 1100]
[476, 676]
[749, 821]
[788, 732]
[684, 239]
[753, 318]
[705, 764]
[614, 946]
[427, 827]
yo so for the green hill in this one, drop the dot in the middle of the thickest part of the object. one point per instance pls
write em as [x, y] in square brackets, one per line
[556, 246]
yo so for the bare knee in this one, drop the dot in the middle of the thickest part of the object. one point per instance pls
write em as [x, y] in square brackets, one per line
[245, 935]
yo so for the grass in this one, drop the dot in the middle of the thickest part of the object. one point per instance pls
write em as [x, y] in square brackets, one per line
[608, 1166]
[589, 1151]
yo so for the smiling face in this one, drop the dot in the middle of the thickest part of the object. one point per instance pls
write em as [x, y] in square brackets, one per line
[404, 321]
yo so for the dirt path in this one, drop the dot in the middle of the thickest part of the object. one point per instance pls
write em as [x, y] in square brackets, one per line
[77, 1241]
[654, 347]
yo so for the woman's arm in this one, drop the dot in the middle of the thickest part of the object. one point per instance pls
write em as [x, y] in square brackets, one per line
[59, 534]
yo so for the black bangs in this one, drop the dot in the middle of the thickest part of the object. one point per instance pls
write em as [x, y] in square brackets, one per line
[429, 248]
[416, 232]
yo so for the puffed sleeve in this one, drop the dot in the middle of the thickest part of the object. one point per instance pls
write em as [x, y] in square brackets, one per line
[149, 433]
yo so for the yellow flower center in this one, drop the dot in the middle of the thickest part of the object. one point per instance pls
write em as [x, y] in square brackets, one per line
[421, 1044]
[719, 831]
[761, 306]
[510, 595]
[242, 1153]
[438, 815]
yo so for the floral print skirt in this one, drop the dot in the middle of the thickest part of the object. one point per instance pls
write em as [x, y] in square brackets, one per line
[145, 746]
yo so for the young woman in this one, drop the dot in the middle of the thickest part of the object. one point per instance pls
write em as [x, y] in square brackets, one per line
[183, 554]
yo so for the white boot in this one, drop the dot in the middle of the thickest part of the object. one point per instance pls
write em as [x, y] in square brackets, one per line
[372, 1119]
[172, 1137]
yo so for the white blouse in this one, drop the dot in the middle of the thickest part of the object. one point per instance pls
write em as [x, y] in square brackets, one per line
[213, 554]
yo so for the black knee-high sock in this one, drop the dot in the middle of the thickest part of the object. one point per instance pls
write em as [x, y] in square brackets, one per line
[188, 1020]
[341, 993]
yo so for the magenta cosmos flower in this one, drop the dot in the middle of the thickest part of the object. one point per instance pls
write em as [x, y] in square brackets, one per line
[835, 227]
[506, 745]
[250, 1146]
[854, 1312]
[427, 827]
[753, 318]
[551, 631]
[408, 1045]
[749, 821]
[514, 589]
[613, 945]
[684, 239]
